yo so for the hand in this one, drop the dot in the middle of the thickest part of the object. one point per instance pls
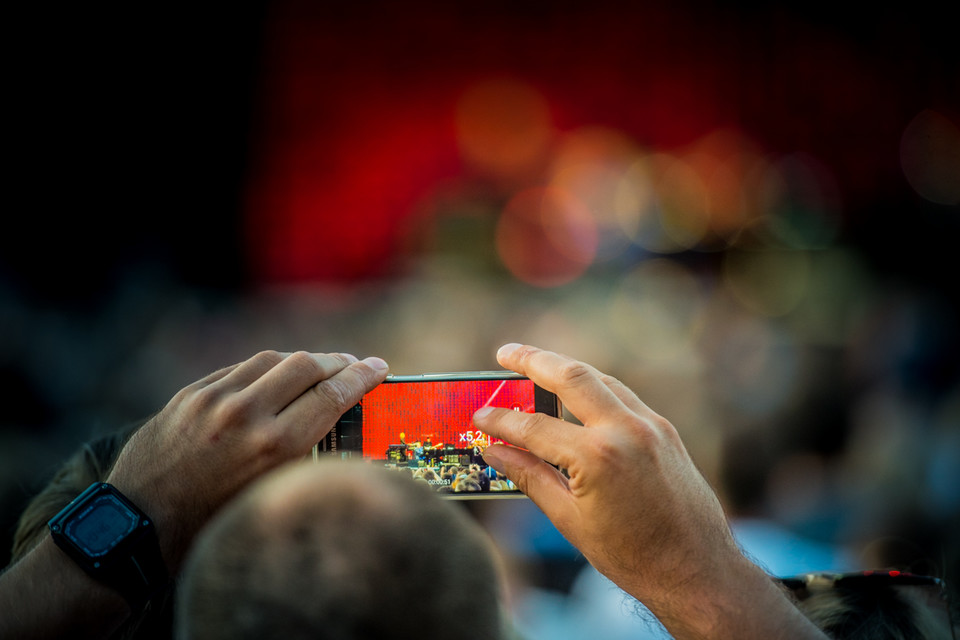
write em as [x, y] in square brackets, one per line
[218, 434]
[632, 502]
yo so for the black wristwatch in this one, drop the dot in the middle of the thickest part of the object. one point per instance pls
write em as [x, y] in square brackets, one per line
[113, 541]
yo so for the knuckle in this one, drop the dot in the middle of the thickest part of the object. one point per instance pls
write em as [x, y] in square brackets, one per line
[197, 399]
[234, 410]
[334, 394]
[573, 373]
[667, 434]
[268, 357]
[611, 381]
[602, 450]
[192, 393]
[639, 428]
[660, 424]
[646, 436]
[303, 362]
[530, 425]
[265, 445]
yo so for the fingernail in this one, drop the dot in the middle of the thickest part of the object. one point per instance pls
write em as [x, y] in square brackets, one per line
[507, 349]
[491, 458]
[482, 413]
[349, 357]
[377, 364]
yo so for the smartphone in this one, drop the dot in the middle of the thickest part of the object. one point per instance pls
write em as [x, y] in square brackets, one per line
[422, 425]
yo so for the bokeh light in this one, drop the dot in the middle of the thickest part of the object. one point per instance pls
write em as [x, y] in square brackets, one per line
[635, 202]
[730, 165]
[930, 157]
[699, 197]
[546, 237]
[503, 127]
[682, 202]
[590, 163]
[661, 202]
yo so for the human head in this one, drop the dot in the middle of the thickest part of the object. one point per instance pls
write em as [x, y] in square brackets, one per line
[339, 551]
[875, 605]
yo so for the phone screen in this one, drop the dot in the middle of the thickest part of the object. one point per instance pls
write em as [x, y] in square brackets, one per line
[423, 425]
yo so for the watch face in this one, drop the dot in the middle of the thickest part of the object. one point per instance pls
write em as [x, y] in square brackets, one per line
[102, 523]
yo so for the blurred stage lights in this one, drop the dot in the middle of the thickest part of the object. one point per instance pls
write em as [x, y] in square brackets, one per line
[503, 128]
[681, 204]
[589, 195]
[590, 164]
[546, 237]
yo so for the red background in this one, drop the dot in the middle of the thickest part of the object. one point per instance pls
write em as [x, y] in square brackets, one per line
[356, 123]
[441, 410]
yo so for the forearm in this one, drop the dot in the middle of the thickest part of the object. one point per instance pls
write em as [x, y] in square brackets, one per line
[741, 601]
[46, 595]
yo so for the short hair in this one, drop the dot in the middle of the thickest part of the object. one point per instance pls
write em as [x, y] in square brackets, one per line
[865, 609]
[91, 463]
[340, 551]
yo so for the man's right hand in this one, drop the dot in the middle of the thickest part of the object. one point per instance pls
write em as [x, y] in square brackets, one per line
[633, 502]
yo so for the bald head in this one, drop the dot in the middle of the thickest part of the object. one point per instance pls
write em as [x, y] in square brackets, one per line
[339, 551]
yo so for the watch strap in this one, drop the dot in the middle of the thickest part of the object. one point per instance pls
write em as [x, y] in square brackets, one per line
[139, 575]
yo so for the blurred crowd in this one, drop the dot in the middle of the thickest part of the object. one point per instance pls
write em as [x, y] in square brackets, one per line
[830, 420]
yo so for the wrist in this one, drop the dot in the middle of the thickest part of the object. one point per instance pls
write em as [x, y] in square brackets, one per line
[150, 488]
[168, 528]
[739, 600]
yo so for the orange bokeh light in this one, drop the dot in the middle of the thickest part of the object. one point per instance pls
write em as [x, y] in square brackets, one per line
[503, 127]
[546, 237]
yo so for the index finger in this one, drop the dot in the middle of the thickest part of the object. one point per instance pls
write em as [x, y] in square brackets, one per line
[547, 438]
[314, 412]
[579, 386]
[292, 376]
